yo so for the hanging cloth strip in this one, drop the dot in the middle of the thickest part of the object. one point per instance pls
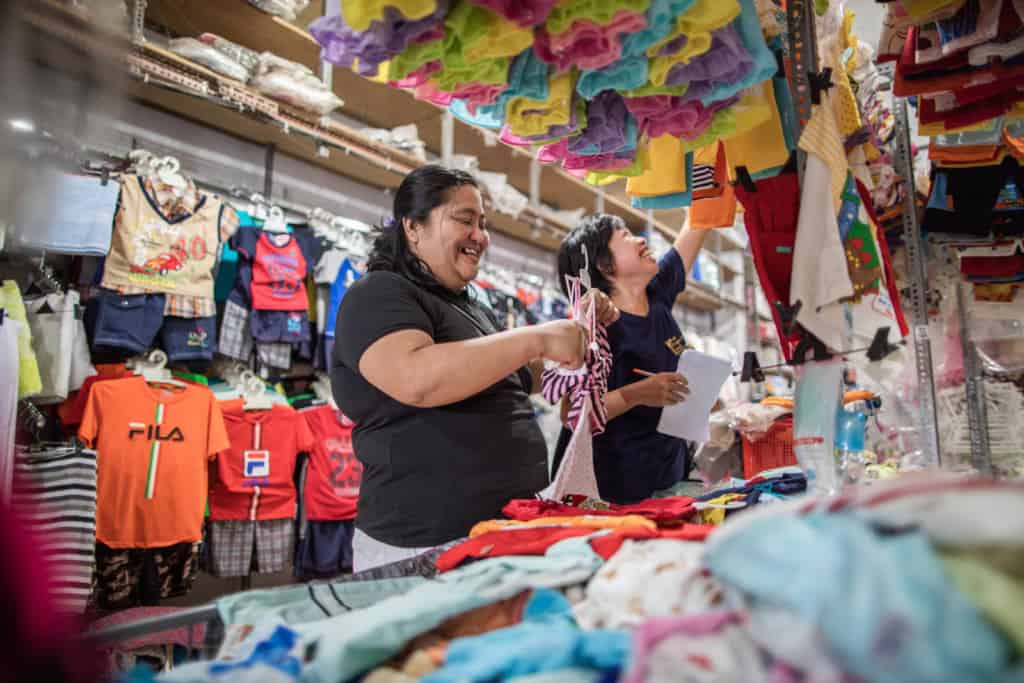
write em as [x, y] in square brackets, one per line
[591, 381]
[585, 388]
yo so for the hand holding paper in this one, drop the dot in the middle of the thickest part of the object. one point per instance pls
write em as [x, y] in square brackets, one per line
[705, 375]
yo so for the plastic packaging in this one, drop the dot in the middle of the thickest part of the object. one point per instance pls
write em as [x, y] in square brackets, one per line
[210, 57]
[293, 84]
[250, 59]
[505, 198]
[814, 424]
[286, 9]
[851, 424]
[754, 420]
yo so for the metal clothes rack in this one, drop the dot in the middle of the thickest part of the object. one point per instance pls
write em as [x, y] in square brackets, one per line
[928, 421]
[974, 385]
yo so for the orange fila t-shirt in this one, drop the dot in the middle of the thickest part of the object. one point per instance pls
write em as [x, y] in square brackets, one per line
[153, 445]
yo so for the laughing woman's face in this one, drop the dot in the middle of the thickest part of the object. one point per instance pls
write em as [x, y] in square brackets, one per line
[453, 240]
[631, 257]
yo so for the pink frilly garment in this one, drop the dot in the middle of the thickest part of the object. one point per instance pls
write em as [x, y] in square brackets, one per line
[474, 94]
[429, 92]
[659, 115]
[525, 13]
[588, 45]
[586, 389]
[419, 76]
[342, 45]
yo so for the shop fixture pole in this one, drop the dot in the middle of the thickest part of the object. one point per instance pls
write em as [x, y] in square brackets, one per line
[327, 76]
[534, 188]
[918, 279]
[447, 137]
[326, 68]
[139, 21]
[599, 201]
[750, 301]
[268, 170]
[802, 44]
[974, 385]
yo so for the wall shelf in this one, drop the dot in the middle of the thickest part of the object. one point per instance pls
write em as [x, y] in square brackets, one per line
[379, 105]
[229, 106]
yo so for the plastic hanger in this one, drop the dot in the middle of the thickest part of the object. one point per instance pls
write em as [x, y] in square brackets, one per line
[254, 393]
[168, 173]
[153, 369]
[275, 220]
[258, 207]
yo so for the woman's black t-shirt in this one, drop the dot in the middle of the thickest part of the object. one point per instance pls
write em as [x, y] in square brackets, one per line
[431, 473]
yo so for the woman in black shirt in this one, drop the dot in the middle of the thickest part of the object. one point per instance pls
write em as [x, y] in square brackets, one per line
[445, 429]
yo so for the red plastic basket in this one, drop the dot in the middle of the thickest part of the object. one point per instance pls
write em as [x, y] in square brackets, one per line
[774, 449]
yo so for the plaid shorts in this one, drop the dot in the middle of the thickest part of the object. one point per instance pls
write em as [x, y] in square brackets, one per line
[127, 577]
[236, 340]
[235, 337]
[277, 355]
[232, 544]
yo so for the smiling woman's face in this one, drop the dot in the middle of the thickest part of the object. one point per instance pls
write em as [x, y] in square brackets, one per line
[631, 256]
[453, 239]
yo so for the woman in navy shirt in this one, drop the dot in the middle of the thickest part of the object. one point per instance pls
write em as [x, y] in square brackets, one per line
[631, 458]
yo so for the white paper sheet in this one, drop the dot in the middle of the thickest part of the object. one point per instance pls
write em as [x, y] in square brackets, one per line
[705, 374]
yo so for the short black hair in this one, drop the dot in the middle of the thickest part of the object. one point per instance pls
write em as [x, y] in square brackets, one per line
[593, 233]
[420, 192]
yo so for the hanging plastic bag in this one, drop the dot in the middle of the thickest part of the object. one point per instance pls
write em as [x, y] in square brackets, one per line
[814, 424]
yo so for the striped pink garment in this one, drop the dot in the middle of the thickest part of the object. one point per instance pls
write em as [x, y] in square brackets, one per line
[593, 381]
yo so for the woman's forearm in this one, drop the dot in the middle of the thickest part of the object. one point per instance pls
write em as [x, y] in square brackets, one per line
[412, 369]
[615, 403]
[689, 243]
[618, 402]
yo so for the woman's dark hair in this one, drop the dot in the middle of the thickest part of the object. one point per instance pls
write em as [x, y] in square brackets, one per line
[422, 191]
[593, 233]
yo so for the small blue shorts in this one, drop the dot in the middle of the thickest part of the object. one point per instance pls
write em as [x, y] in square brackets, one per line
[326, 551]
[189, 339]
[287, 327]
[127, 321]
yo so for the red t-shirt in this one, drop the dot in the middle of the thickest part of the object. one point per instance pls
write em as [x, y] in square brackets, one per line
[279, 274]
[333, 474]
[255, 478]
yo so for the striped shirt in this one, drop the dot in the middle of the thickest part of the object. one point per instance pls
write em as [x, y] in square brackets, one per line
[55, 492]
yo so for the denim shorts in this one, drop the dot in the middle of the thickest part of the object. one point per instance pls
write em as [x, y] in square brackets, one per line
[189, 339]
[127, 321]
[287, 327]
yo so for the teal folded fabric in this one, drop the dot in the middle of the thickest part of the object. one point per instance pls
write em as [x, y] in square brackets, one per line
[310, 602]
[880, 599]
[351, 644]
[546, 641]
[677, 200]
[626, 74]
[661, 19]
[527, 77]
[749, 27]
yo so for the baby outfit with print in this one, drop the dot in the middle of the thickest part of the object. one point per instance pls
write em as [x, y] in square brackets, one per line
[252, 488]
[272, 274]
[158, 279]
